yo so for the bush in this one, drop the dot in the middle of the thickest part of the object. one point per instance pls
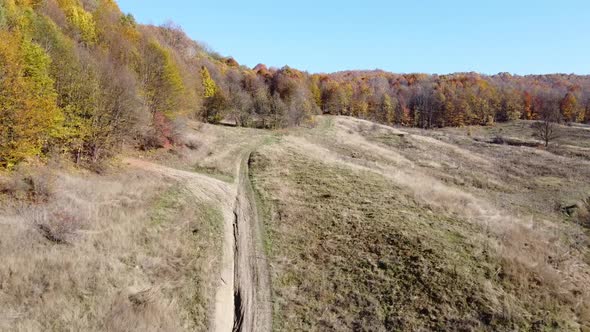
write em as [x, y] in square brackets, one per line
[163, 133]
[24, 184]
[192, 143]
[58, 227]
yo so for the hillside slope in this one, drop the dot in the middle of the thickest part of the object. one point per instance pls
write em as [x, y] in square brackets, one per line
[377, 229]
[151, 244]
[349, 225]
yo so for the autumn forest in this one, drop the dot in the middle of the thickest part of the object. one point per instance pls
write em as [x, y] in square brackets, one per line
[80, 78]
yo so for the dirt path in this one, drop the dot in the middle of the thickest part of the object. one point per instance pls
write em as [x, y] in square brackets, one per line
[252, 286]
[242, 300]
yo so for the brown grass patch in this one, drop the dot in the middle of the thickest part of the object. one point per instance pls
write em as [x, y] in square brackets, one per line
[519, 267]
[119, 252]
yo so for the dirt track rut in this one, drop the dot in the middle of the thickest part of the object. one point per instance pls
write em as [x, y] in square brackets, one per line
[252, 287]
[242, 299]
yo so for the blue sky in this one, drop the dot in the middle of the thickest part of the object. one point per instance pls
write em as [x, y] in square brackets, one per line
[427, 36]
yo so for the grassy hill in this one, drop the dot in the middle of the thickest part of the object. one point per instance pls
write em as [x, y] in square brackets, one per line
[364, 226]
[372, 228]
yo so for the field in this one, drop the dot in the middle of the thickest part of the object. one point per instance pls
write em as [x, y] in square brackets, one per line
[376, 228]
[120, 252]
[348, 225]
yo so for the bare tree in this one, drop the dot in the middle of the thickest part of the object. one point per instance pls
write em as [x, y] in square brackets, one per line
[546, 130]
[547, 127]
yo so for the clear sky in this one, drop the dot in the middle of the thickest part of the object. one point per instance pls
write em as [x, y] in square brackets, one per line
[428, 36]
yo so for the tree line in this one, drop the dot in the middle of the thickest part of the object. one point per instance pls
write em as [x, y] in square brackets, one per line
[80, 78]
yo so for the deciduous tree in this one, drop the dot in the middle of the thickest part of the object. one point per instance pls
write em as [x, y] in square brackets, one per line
[547, 127]
[29, 115]
[209, 86]
[569, 107]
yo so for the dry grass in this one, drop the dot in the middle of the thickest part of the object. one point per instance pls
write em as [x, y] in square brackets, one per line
[119, 252]
[367, 227]
[208, 149]
[521, 263]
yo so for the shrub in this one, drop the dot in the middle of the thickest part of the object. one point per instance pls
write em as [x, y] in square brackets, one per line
[58, 227]
[161, 134]
[192, 143]
[33, 185]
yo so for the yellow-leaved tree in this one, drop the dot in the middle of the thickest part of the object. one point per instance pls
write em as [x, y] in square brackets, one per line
[209, 86]
[163, 90]
[569, 108]
[214, 99]
[81, 20]
[29, 115]
[3, 17]
[162, 82]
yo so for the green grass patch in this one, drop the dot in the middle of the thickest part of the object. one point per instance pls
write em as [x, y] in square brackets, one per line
[263, 205]
[167, 204]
